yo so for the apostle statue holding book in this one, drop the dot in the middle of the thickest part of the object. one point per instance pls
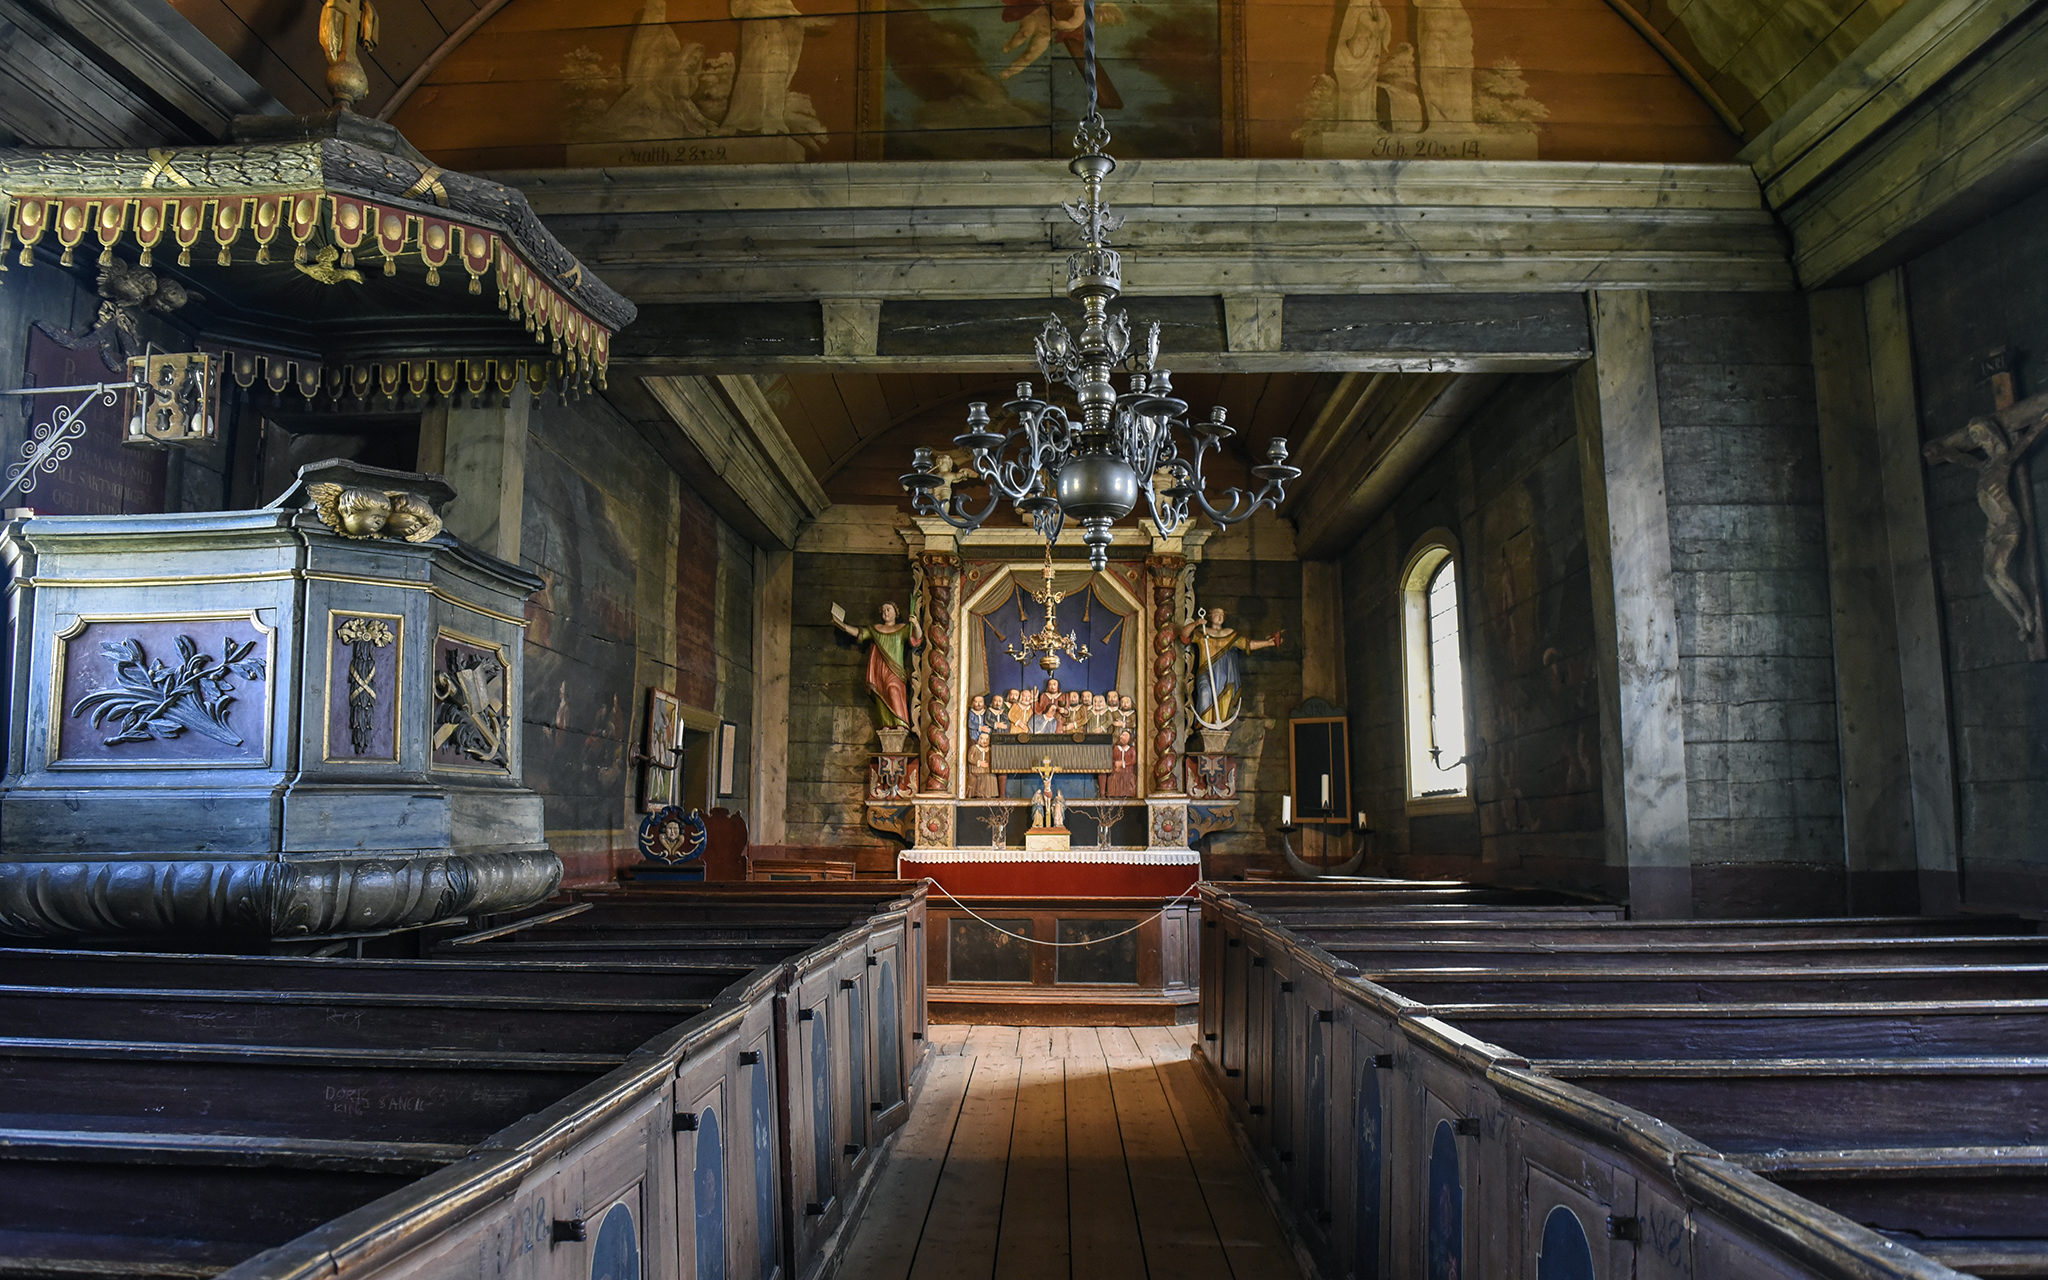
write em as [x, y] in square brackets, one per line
[889, 644]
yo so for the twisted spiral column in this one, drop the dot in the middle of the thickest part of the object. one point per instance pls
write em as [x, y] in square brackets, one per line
[1165, 572]
[941, 572]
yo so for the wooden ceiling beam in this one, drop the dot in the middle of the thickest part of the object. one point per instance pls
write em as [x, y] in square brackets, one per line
[934, 231]
[1515, 332]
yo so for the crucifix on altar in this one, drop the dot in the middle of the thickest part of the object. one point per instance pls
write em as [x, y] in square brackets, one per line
[1048, 811]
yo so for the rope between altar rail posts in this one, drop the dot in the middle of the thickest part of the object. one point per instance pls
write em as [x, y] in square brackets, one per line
[1041, 942]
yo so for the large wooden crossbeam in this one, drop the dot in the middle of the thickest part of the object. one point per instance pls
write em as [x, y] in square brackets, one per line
[1249, 264]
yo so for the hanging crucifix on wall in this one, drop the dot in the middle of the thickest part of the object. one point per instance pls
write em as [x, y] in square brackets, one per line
[1995, 447]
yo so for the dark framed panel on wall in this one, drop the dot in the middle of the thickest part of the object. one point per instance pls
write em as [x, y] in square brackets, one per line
[1319, 771]
[728, 757]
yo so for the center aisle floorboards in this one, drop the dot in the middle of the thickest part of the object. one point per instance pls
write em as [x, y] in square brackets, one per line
[1077, 1152]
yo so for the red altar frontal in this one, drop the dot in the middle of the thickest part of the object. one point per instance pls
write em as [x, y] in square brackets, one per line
[1076, 873]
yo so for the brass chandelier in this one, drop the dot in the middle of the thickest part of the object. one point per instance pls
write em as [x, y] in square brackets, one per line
[1054, 464]
[1047, 644]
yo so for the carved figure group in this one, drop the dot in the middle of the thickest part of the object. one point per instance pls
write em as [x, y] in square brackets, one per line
[1050, 710]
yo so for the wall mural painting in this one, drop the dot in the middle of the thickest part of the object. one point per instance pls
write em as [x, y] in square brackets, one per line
[1446, 1243]
[1403, 82]
[1565, 1253]
[970, 79]
[657, 82]
[690, 82]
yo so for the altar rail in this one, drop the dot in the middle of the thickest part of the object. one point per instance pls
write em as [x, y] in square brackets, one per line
[1123, 961]
[653, 1082]
[1438, 1085]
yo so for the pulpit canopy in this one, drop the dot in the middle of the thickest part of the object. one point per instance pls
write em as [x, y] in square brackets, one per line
[326, 255]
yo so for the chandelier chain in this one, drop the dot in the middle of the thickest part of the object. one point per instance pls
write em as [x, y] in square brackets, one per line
[1095, 461]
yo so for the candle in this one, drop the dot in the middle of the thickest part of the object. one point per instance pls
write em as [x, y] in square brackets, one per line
[1364, 822]
[1286, 811]
[1326, 793]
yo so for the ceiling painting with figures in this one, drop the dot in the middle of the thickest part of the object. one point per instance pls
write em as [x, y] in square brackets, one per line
[610, 83]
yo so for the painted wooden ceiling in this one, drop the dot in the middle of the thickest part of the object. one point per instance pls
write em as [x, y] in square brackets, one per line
[542, 83]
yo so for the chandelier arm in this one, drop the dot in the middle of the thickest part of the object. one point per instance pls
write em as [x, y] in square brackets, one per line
[1242, 506]
[924, 503]
[970, 519]
[1170, 516]
[1015, 477]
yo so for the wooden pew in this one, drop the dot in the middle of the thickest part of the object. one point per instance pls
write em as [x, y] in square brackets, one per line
[1375, 925]
[1657, 1076]
[490, 1024]
[1764, 1029]
[849, 1022]
[508, 977]
[1373, 957]
[198, 1110]
[1708, 982]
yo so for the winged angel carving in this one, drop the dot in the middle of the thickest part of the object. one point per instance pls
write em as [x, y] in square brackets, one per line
[357, 512]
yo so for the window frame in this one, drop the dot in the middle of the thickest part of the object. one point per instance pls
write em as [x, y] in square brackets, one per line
[1418, 696]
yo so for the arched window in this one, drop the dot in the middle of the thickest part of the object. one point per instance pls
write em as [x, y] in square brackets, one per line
[1433, 671]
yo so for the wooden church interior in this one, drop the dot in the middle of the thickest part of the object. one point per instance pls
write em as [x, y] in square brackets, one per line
[529, 760]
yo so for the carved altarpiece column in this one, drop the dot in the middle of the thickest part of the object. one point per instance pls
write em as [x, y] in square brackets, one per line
[1165, 571]
[941, 575]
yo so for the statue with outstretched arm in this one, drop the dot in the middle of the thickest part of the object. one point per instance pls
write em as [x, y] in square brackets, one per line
[889, 644]
[1217, 651]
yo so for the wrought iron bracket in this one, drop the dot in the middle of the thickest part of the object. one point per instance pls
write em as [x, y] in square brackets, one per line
[49, 443]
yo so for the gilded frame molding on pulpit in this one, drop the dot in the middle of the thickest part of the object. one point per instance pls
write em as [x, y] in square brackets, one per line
[508, 711]
[397, 621]
[59, 710]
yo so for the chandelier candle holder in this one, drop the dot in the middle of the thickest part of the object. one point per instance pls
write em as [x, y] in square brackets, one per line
[1047, 644]
[1091, 463]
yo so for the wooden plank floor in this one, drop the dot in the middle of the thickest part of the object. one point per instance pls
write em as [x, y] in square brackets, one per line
[1035, 1153]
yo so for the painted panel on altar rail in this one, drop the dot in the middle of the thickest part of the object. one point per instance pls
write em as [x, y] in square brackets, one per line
[1097, 951]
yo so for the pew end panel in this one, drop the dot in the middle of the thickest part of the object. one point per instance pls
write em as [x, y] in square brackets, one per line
[1452, 1195]
[829, 1145]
